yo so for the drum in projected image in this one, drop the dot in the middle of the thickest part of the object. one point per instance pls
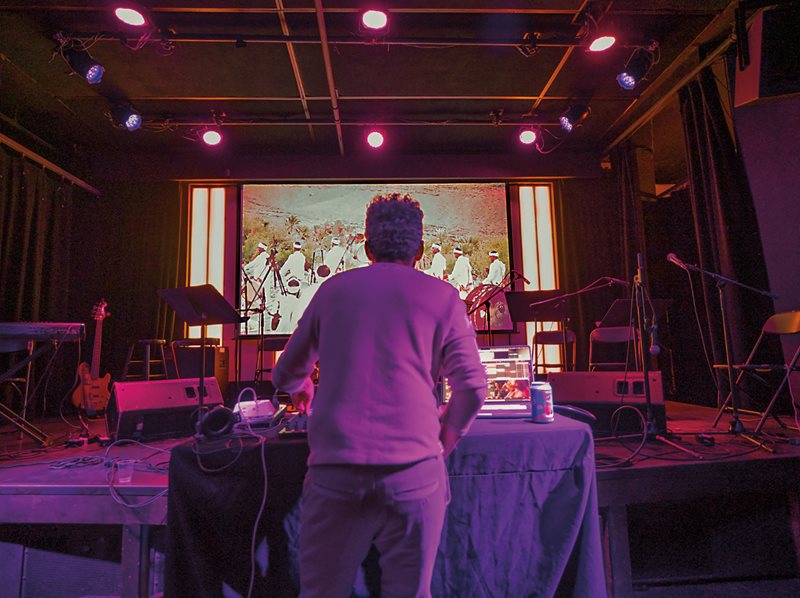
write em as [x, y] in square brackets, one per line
[499, 317]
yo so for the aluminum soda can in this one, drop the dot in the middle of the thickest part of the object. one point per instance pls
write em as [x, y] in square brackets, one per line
[542, 403]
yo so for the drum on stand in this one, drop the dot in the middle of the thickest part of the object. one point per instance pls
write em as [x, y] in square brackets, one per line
[498, 308]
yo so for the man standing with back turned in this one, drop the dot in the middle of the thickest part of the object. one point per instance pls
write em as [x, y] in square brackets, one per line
[382, 335]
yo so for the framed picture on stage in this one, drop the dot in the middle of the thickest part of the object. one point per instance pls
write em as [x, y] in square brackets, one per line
[296, 236]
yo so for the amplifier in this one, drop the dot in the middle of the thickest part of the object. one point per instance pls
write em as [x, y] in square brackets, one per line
[188, 359]
[153, 409]
[601, 393]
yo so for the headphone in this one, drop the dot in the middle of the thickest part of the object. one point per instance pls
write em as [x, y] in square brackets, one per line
[216, 423]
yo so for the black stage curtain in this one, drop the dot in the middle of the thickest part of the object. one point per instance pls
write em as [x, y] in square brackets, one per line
[37, 215]
[726, 232]
[62, 250]
[132, 243]
[36, 218]
[590, 244]
[628, 198]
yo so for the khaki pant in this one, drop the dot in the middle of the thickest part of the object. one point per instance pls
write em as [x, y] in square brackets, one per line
[346, 508]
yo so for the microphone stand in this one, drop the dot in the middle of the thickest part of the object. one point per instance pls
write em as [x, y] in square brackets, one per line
[560, 299]
[736, 426]
[644, 328]
[512, 277]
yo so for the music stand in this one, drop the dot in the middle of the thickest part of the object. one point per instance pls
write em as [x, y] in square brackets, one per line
[200, 306]
[540, 306]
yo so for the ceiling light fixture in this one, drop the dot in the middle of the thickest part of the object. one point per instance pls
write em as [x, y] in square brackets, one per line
[528, 135]
[131, 14]
[83, 64]
[574, 116]
[375, 139]
[126, 117]
[637, 67]
[374, 19]
[211, 136]
[602, 43]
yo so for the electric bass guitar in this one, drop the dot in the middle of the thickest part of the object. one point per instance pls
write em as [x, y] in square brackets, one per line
[92, 393]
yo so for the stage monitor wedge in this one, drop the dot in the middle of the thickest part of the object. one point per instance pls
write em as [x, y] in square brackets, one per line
[149, 410]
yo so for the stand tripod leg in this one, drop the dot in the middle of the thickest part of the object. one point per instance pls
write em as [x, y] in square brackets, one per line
[721, 410]
[675, 445]
[25, 426]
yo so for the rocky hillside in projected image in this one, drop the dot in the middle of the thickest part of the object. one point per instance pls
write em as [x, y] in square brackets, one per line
[456, 209]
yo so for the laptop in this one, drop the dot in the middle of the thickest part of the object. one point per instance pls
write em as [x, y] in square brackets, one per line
[508, 373]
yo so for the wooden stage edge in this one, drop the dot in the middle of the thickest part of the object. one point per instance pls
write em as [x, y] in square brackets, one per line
[70, 486]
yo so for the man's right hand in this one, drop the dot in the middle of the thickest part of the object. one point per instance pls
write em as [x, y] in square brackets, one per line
[301, 400]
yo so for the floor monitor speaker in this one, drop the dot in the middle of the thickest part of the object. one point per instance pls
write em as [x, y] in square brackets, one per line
[602, 393]
[149, 410]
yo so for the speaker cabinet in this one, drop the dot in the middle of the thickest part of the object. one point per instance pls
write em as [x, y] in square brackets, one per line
[602, 393]
[774, 62]
[188, 361]
[154, 409]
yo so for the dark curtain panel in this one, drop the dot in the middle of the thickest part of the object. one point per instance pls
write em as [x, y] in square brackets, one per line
[590, 244]
[725, 228]
[36, 217]
[669, 228]
[628, 198]
[129, 245]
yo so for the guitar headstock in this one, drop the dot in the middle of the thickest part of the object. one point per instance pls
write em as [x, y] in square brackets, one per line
[99, 311]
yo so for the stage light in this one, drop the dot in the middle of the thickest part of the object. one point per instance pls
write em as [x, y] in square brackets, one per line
[212, 136]
[124, 116]
[131, 14]
[528, 135]
[574, 116]
[374, 19]
[83, 64]
[636, 69]
[602, 43]
[375, 139]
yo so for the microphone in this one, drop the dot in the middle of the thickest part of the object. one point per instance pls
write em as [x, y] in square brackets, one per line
[520, 275]
[655, 349]
[671, 257]
[612, 280]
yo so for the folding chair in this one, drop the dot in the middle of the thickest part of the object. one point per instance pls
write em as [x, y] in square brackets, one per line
[564, 340]
[780, 324]
[612, 335]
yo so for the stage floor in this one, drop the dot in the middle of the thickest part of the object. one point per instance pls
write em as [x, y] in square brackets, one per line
[667, 516]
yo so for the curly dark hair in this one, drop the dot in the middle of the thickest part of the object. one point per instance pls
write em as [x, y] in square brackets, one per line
[394, 227]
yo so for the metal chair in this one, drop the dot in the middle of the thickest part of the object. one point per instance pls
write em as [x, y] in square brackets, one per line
[624, 337]
[559, 338]
[780, 324]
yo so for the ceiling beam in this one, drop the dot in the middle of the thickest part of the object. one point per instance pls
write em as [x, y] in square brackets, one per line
[45, 163]
[266, 122]
[326, 58]
[425, 8]
[354, 98]
[298, 79]
[566, 41]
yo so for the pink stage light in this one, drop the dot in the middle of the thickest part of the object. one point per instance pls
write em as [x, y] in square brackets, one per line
[375, 139]
[212, 137]
[374, 19]
[130, 16]
[527, 136]
[602, 43]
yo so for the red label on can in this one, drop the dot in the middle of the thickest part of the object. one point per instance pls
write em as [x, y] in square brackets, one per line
[542, 403]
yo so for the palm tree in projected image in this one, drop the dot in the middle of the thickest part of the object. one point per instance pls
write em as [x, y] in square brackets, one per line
[291, 223]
